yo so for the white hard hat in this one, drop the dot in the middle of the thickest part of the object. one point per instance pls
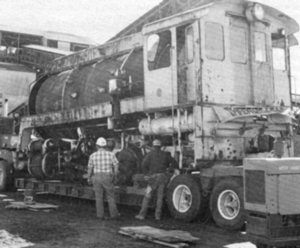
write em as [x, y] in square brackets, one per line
[101, 142]
[156, 142]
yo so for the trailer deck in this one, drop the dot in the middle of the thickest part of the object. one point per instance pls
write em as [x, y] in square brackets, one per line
[131, 196]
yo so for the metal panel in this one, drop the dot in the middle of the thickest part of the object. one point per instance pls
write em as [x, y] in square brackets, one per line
[81, 114]
[274, 166]
[158, 89]
[281, 81]
[288, 194]
[262, 68]
[255, 191]
[272, 194]
[132, 105]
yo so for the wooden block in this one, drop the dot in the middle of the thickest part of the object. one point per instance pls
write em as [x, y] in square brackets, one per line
[43, 206]
[48, 210]
[11, 206]
[37, 206]
[162, 235]
[149, 239]
[34, 210]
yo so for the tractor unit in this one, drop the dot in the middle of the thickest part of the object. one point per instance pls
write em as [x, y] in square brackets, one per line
[211, 79]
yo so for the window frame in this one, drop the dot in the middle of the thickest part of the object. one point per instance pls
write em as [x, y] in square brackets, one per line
[265, 47]
[246, 49]
[163, 44]
[206, 43]
[190, 60]
[284, 60]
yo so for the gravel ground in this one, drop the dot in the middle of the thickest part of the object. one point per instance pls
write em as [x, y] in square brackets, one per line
[74, 225]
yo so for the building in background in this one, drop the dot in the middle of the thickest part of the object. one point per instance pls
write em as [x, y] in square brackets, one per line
[37, 48]
[24, 54]
[15, 81]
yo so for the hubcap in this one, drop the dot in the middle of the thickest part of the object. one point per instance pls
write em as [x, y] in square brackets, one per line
[182, 198]
[229, 204]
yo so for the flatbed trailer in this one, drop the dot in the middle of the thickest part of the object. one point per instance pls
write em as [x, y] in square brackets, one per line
[131, 196]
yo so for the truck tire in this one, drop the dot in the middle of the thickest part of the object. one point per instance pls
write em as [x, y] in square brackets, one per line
[5, 176]
[227, 204]
[184, 198]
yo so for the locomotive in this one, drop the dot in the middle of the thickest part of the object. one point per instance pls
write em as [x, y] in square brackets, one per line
[211, 79]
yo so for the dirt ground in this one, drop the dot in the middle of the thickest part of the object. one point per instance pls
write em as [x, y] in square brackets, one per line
[74, 225]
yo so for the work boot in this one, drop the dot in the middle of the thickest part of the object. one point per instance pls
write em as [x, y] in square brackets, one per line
[139, 217]
[116, 217]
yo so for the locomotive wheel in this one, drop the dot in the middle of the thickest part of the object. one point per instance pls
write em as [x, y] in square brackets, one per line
[49, 165]
[184, 198]
[226, 204]
[5, 176]
[35, 166]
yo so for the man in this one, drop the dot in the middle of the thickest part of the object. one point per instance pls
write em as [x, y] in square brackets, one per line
[130, 160]
[155, 165]
[111, 144]
[102, 165]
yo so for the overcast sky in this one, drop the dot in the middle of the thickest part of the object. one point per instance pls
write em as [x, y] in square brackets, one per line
[96, 19]
[99, 19]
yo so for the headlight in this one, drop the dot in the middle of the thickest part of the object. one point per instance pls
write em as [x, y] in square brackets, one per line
[283, 32]
[255, 12]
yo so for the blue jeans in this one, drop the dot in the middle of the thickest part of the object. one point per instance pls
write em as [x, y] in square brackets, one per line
[159, 189]
[102, 185]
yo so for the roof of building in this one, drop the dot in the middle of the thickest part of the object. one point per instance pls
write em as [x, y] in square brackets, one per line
[15, 67]
[50, 35]
[69, 38]
[48, 49]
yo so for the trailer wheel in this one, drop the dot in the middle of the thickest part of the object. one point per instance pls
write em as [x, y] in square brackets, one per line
[184, 198]
[226, 204]
[5, 176]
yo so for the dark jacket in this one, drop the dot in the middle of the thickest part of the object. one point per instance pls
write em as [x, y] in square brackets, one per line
[158, 161]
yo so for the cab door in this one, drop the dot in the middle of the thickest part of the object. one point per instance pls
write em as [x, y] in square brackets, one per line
[192, 60]
[159, 68]
[262, 69]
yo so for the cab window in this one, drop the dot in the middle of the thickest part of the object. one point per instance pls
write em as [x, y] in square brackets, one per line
[159, 50]
[214, 41]
[190, 44]
[238, 45]
[279, 54]
[260, 47]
